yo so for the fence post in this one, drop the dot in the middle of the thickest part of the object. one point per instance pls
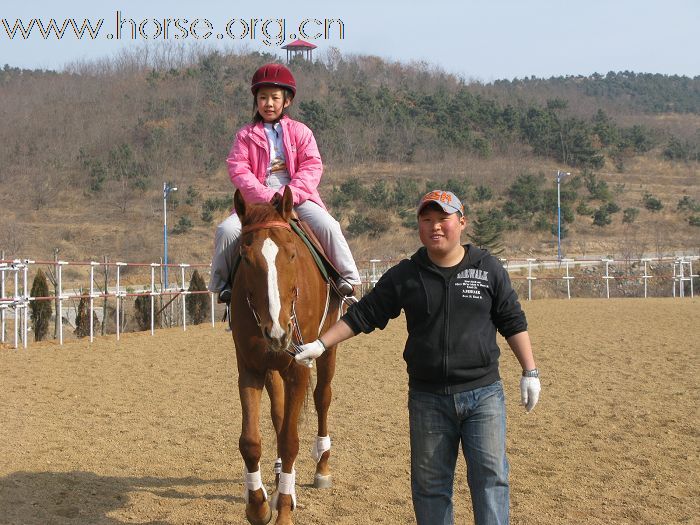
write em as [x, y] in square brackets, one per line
[119, 299]
[59, 311]
[3, 306]
[530, 278]
[645, 276]
[183, 296]
[15, 301]
[153, 294]
[674, 279]
[692, 276]
[607, 276]
[92, 297]
[568, 278]
[374, 278]
[25, 301]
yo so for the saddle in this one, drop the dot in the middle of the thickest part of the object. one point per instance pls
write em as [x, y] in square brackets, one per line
[304, 231]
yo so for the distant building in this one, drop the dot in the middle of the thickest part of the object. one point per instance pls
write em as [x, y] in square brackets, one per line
[299, 47]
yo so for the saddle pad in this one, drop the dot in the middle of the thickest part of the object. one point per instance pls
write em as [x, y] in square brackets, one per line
[314, 245]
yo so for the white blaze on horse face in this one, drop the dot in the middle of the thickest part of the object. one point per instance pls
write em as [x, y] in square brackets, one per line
[269, 251]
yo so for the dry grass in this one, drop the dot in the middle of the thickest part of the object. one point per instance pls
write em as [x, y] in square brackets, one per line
[88, 227]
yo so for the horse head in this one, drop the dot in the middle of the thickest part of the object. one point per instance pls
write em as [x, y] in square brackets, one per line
[267, 270]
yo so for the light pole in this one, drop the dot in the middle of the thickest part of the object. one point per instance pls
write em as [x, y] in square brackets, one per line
[560, 175]
[167, 188]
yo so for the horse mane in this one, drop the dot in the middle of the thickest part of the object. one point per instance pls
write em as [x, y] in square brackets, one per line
[256, 213]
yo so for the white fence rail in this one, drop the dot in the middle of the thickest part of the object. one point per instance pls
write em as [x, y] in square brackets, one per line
[676, 273]
[16, 306]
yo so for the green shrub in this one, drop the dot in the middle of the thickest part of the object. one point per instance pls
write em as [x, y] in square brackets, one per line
[651, 203]
[612, 207]
[598, 189]
[688, 204]
[373, 223]
[601, 217]
[629, 215]
[584, 209]
[406, 193]
[191, 196]
[483, 193]
[352, 189]
[542, 222]
[183, 226]
[378, 194]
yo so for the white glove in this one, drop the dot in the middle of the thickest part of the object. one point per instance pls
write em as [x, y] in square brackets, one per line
[309, 352]
[529, 392]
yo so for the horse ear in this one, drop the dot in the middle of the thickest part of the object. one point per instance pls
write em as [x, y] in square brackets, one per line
[239, 204]
[286, 204]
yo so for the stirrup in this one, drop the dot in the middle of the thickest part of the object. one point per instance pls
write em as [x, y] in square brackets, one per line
[345, 289]
[225, 296]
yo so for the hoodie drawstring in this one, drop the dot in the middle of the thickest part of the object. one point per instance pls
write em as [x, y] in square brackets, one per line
[425, 289]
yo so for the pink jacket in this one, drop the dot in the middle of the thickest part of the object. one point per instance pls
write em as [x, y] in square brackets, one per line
[250, 157]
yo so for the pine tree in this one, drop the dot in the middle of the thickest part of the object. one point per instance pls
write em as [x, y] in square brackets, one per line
[487, 230]
[40, 310]
[82, 319]
[197, 303]
[142, 313]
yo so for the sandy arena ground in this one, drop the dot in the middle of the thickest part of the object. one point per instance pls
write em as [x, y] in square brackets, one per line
[146, 430]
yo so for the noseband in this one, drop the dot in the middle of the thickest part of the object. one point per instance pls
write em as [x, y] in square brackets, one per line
[295, 324]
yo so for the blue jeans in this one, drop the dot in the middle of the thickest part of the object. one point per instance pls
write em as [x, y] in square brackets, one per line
[477, 419]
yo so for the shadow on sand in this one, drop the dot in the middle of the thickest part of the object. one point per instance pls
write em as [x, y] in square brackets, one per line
[85, 498]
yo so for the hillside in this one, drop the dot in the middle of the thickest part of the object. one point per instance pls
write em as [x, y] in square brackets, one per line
[85, 153]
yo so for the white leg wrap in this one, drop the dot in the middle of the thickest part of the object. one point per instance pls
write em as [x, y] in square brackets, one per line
[321, 445]
[278, 466]
[253, 482]
[286, 486]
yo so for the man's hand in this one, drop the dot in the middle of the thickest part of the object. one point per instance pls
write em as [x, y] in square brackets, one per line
[529, 391]
[309, 352]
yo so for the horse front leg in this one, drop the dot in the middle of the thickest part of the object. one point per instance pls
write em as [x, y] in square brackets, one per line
[275, 390]
[250, 385]
[296, 379]
[323, 394]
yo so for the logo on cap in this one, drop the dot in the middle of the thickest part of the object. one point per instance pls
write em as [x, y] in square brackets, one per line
[447, 200]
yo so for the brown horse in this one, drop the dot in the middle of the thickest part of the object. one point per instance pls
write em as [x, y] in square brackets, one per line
[279, 300]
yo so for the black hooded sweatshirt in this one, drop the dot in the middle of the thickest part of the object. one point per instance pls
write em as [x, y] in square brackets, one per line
[451, 317]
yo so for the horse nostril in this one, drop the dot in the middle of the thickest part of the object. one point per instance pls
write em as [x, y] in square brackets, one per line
[266, 333]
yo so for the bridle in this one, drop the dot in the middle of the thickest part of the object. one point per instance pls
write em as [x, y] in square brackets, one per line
[293, 317]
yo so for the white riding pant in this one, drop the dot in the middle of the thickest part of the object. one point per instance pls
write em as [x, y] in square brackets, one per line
[326, 228]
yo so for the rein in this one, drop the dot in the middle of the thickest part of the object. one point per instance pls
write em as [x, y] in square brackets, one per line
[265, 225]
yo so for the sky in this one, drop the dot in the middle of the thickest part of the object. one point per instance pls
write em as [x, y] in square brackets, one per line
[475, 40]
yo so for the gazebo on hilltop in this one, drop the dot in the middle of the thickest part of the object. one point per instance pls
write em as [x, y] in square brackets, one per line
[299, 47]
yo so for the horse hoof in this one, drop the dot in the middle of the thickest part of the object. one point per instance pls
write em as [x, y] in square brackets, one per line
[255, 519]
[323, 482]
